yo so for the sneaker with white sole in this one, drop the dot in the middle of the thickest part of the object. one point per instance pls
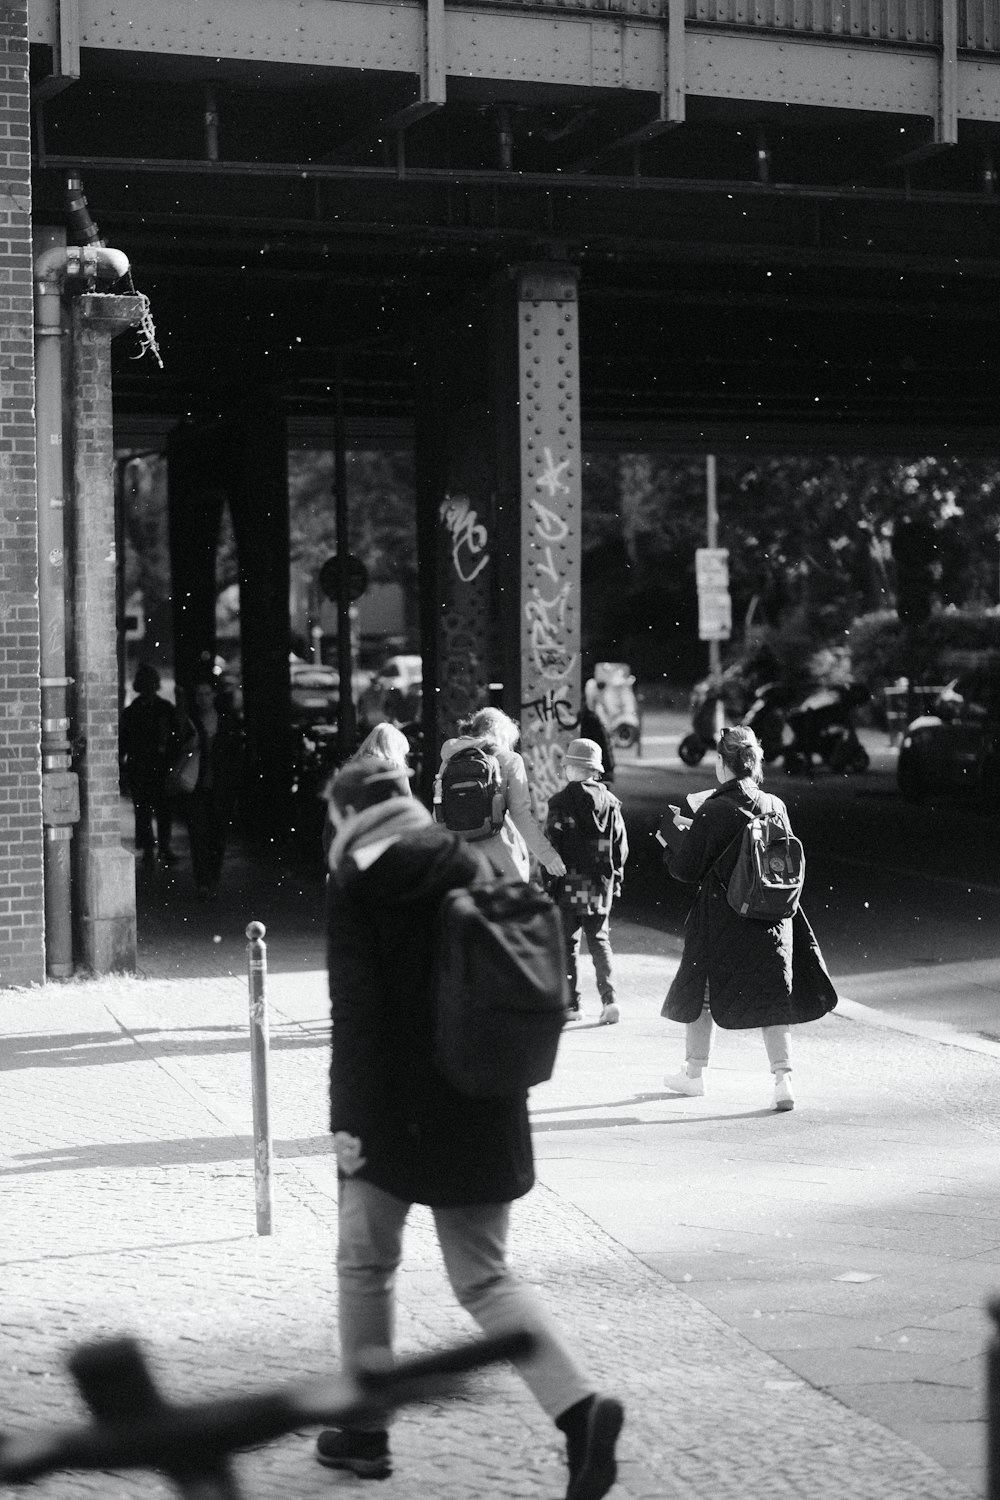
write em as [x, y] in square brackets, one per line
[683, 1083]
[610, 1014]
[783, 1096]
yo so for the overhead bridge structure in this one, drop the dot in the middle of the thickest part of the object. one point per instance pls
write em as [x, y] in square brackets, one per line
[503, 231]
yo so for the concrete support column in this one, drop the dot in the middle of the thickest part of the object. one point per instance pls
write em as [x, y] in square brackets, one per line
[551, 513]
[457, 379]
[258, 502]
[197, 487]
[242, 462]
[105, 868]
[499, 521]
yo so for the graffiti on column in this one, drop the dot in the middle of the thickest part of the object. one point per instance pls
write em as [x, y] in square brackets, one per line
[550, 524]
[469, 537]
[464, 615]
[548, 607]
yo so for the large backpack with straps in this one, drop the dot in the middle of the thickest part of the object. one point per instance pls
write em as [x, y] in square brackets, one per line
[472, 794]
[499, 988]
[770, 870]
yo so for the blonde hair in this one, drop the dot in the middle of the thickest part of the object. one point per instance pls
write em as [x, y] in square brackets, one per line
[741, 753]
[494, 724]
[385, 741]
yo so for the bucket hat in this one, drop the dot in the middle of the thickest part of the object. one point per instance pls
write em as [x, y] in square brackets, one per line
[585, 753]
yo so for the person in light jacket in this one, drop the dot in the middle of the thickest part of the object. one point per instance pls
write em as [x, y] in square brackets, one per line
[735, 972]
[508, 851]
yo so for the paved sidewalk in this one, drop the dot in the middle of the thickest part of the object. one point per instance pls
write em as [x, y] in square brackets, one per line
[789, 1305]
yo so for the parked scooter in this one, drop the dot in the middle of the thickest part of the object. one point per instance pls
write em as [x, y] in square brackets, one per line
[610, 694]
[823, 726]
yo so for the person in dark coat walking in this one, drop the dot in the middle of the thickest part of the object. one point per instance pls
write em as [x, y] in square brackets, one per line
[403, 1135]
[147, 734]
[734, 972]
[213, 733]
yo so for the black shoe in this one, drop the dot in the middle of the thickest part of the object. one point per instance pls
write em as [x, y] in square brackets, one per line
[592, 1467]
[365, 1454]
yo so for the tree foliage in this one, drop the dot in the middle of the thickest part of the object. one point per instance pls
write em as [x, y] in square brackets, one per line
[809, 539]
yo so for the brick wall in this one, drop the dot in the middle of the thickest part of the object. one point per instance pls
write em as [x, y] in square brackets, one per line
[21, 894]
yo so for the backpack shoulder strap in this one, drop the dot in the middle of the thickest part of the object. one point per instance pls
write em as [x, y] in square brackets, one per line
[734, 844]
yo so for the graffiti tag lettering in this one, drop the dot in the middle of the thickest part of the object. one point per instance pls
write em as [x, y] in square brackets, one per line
[550, 479]
[469, 537]
[552, 707]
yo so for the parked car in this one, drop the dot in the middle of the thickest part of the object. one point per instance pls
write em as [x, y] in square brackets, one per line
[315, 691]
[955, 747]
[403, 672]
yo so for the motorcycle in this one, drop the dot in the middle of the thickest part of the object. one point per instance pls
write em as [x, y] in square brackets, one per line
[823, 726]
[732, 691]
[767, 718]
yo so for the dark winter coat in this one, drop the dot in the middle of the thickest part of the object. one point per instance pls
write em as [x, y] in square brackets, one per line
[421, 1139]
[757, 974]
[585, 826]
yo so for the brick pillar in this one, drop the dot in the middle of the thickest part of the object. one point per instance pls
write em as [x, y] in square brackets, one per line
[499, 517]
[105, 868]
[22, 957]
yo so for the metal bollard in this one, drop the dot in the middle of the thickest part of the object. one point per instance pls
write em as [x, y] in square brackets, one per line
[993, 1405]
[257, 973]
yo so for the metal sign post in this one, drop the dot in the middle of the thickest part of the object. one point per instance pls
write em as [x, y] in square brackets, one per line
[257, 973]
[715, 605]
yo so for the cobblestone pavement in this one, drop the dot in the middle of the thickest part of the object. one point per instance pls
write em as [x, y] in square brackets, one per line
[789, 1305]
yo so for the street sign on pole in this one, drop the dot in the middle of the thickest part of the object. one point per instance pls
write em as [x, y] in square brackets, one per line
[711, 567]
[715, 615]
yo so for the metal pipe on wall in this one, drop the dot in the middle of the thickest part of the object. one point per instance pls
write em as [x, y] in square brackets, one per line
[52, 607]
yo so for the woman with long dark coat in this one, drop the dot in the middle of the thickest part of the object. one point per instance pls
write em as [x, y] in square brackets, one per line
[735, 972]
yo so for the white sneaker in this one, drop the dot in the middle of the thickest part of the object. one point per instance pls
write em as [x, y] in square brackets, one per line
[783, 1096]
[609, 1014]
[683, 1083]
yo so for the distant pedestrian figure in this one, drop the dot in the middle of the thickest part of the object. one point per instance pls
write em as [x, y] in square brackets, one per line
[736, 972]
[387, 742]
[214, 734]
[147, 731]
[519, 834]
[403, 1135]
[585, 825]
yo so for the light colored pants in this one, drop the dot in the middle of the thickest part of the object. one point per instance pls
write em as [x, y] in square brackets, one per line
[698, 1043]
[473, 1244]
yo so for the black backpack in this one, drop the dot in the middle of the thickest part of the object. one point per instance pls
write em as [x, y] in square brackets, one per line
[500, 989]
[770, 870]
[472, 795]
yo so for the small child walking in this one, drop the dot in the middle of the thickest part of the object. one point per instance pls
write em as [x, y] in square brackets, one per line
[585, 825]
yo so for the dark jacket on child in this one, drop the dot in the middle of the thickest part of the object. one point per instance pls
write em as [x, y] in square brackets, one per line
[757, 973]
[421, 1139]
[585, 825]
